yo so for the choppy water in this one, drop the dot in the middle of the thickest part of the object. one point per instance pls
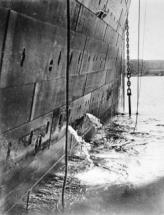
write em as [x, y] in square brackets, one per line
[125, 171]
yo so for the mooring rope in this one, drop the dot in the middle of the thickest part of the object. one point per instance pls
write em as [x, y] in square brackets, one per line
[143, 42]
[138, 63]
[140, 69]
[67, 102]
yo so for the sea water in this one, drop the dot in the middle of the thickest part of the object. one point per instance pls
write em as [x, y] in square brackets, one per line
[126, 176]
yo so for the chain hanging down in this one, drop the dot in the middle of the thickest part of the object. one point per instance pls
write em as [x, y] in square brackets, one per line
[129, 92]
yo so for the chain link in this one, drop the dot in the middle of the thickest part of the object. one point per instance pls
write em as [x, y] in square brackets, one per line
[129, 93]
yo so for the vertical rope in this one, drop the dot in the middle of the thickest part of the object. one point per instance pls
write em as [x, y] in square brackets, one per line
[28, 198]
[138, 65]
[143, 42]
[67, 103]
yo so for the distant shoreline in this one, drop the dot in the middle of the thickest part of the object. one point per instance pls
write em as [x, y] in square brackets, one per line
[135, 75]
[147, 67]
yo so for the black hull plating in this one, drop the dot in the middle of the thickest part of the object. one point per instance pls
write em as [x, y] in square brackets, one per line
[32, 72]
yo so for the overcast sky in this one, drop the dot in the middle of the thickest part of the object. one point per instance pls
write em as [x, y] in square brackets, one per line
[154, 28]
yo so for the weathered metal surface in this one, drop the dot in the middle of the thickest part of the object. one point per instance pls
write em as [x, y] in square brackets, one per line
[26, 60]
[108, 114]
[50, 11]
[110, 75]
[94, 81]
[109, 34]
[106, 100]
[114, 52]
[124, 12]
[100, 29]
[86, 61]
[120, 29]
[111, 7]
[111, 58]
[93, 5]
[94, 56]
[76, 87]
[111, 19]
[49, 95]
[56, 64]
[58, 133]
[35, 52]
[3, 27]
[86, 22]
[79, 107]
[20, 145]
[120, 45]
[98, 26]
[95, 102]
[21, 158]
[15, 106]
[115, 37]
[115, 99]
[27, 47]
[59, 116]
[115, 8]
[118, 65]
[77, 45]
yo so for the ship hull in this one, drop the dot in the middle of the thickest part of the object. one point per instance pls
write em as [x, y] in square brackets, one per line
[32, 73]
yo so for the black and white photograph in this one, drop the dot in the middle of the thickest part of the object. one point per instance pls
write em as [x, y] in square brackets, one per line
[81, 107]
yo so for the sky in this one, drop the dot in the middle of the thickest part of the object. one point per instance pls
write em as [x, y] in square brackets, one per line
[152, 35]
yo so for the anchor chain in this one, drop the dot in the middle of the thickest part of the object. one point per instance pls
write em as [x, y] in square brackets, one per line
[129, 92]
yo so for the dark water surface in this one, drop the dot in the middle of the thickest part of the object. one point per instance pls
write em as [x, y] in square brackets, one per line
[124, 170]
